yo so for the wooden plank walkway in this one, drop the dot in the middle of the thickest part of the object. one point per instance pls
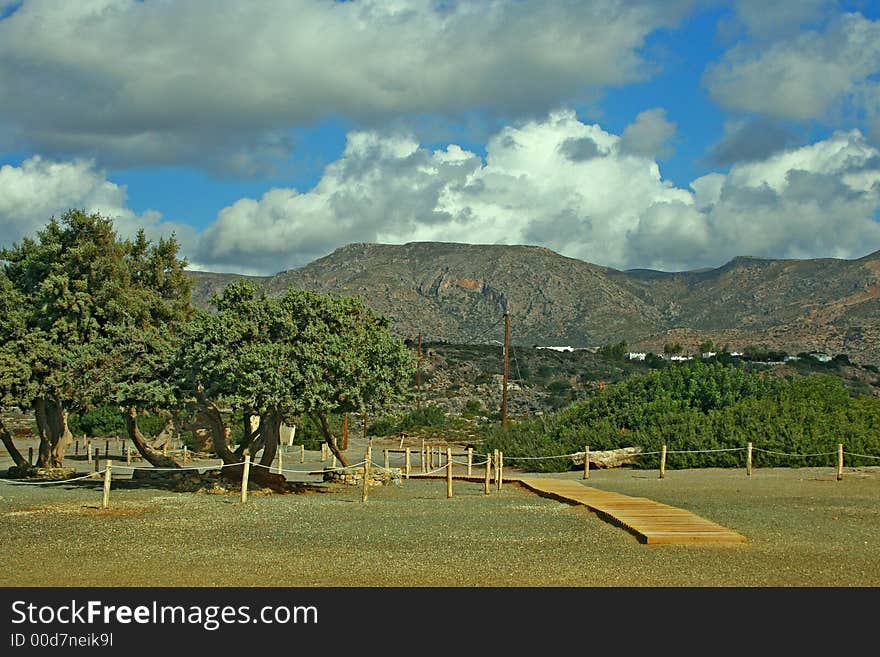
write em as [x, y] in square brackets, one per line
[651, 522]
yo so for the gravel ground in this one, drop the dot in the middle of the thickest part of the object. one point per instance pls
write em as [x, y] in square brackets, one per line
[804, 528]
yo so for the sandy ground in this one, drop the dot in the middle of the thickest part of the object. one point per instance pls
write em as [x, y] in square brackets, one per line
[804, 528]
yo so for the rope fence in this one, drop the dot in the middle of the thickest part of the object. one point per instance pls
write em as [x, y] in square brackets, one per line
[493, 465]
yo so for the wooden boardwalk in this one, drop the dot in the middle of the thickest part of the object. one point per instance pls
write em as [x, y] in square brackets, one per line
[651, 522]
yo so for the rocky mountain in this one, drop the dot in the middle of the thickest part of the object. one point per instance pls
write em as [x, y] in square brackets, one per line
[458, 293]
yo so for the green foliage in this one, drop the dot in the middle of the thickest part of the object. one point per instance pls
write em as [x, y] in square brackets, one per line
[107, 420]
[472, 408]
[427, 416]
[615, 351]
[299, 354]
[94, 314]
[702, 407]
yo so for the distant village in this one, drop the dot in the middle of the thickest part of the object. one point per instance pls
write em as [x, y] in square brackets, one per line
[817, 356]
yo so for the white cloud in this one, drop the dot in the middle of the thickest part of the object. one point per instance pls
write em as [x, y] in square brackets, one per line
[828, 75]
[161, 82]
[555, 182]
[535, 187]
[38, 189]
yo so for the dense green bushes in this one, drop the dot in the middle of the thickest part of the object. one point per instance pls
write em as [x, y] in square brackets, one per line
[427, 416]
[706, 407]
[108, 420]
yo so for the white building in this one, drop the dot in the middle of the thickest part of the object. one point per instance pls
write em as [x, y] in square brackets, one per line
[636, 355]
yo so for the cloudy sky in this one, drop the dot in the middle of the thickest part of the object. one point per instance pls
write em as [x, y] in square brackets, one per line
[664, 134]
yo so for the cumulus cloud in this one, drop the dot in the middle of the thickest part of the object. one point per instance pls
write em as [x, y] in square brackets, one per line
[830, 75]
[765, 20]
[38, 189]
[649, 134]
[158, 82]
[751, 139]
[556, 182]
[569, 186]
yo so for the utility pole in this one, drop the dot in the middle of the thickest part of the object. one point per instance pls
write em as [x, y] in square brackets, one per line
[506, 369]
[419, 375]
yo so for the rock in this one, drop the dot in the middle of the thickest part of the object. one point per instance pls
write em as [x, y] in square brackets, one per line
[611, 458]
[49, 474]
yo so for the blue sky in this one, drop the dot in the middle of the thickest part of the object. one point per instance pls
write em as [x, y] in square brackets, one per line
[667, 134]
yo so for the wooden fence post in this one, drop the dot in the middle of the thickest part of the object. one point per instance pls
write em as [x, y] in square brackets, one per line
[323, 452]
[587, 462]
[488, 473]
[663, 462]
[280, 459]
[106, 448]
[31, 456]
[385, 459]
[423, 457]
[105, 500]
[97, 459]
[448, 472]
[185, 454]
[500, 469]
[76, 448]
[244, 477]
[839, 461]
[407, 462]
[89, 450]
[366, 492]
[128, 454]
[470, 452]
[749, 460]
[302, 453]
[333, 462]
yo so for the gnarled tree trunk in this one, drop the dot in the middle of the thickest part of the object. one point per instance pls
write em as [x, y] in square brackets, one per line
[153, 456]
[55, 436]
[330, 439]
[218, 432]
[6, 439]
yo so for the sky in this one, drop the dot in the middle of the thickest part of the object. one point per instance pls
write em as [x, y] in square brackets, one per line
[262, 135]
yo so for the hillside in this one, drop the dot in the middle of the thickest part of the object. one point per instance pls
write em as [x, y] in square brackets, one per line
[458, 292]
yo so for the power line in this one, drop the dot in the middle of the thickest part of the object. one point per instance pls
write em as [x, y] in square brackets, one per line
[480, 335]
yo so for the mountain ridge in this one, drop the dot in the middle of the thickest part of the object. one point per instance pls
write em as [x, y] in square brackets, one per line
[450, 291]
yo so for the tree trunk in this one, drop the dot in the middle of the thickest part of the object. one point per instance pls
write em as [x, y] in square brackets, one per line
[218, 432]
[270, 434]
[45, 449]
[6, 438]
[59, 449]
[252, 438]
[331, 441]
[199, 427]
[164, 437]
[153, 457]
[55, 436]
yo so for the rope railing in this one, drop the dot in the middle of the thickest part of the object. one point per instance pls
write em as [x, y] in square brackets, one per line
[767, 451]
[864, 456]
[91, 475]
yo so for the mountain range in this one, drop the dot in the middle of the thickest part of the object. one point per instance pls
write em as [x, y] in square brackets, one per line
[458, 293]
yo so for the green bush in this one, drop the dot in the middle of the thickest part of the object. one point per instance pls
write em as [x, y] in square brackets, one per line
[109, 420]
[697, 408]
